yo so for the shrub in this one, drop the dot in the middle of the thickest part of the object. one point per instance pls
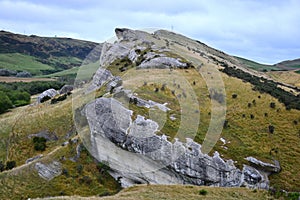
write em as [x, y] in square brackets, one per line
[65, 172]
[86, 179]
[234, 96]
[5, 102]
[10, 165]
[226, 124]
[249, 105]
[2, 167]
[45, 98]
[103, 167]
[293, 195]
[271, 129]
[252, 116]
[163, 87]
[272, 105]
[39, 143]
[79, 168]
[203, 192]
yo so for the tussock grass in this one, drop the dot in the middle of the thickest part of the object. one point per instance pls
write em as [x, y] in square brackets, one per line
[182, 192]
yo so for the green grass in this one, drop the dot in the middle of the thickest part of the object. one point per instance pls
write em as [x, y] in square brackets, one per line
[25, 183]
[256, 66]
[84, 72]
[244, 134]
[21, 62]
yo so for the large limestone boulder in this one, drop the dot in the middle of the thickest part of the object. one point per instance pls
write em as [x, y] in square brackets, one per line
[48, 171]
[137, 155]
[50, 93]
[163, 62]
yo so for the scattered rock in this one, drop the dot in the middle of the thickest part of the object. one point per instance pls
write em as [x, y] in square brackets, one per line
[48, 94]
[34, 158]
[114, 83]
[45, 134]
[7, 72]
[147, 104]
[48, 171]
[79, 148]
[266, 167]
[163, 63]
[172, 117]
[223, 140]
[24, 74]
[66, 89]
[101, 76]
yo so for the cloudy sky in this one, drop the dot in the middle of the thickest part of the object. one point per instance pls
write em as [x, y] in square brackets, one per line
[266, 31]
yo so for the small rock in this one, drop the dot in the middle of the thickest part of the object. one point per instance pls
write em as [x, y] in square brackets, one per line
[48, 171]
[34, 158]
[45, 134]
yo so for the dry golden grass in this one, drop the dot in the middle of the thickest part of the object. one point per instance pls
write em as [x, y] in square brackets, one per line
[288, 77]
[180, 192]
[18, 79]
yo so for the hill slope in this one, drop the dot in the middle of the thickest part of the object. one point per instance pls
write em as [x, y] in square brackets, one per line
[43, 55]
[249, 115]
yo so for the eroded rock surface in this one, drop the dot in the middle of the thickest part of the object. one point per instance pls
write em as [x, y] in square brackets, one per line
[138, 155]
[50, 93]
[48, 171]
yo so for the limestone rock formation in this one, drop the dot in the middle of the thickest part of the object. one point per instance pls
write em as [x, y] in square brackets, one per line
[130, 145]
[138, 155]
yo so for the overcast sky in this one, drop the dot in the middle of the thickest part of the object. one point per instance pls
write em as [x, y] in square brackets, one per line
[266, 31]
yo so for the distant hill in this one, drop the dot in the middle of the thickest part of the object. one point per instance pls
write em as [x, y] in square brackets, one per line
[43, 55]
[289, 64]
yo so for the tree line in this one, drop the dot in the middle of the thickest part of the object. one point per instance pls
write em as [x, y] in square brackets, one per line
[18, 93]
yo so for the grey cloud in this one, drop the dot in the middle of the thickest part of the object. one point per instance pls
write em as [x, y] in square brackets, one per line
[251, 28]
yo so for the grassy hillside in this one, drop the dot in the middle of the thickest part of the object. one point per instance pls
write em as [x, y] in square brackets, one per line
[289, 77]
[44, 55]
[21, 62]
[84, 177]
[289, 64]
[182, 192]
[83, 72]
[249, 114]
[256, 66]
